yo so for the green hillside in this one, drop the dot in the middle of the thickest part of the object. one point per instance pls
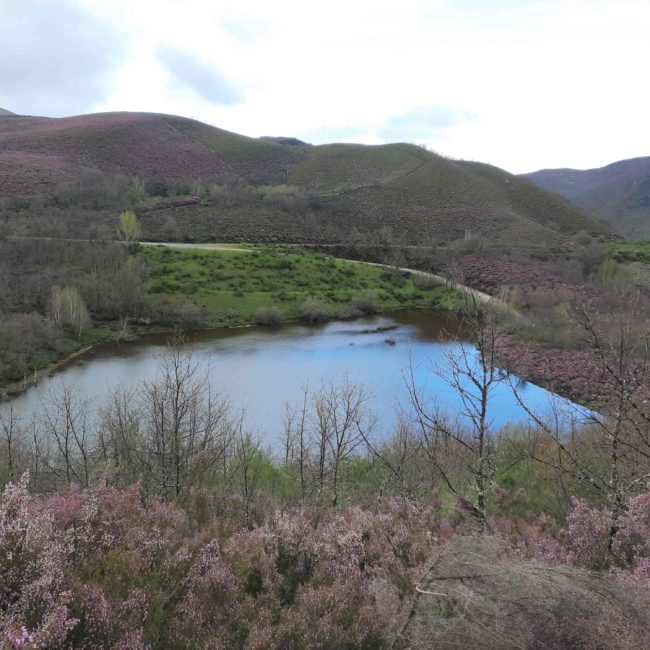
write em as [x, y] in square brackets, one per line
[259, 189]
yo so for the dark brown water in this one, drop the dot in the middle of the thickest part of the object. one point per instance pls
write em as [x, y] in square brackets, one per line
[261, 369]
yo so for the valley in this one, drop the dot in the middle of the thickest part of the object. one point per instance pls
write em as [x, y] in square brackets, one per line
[271, 394]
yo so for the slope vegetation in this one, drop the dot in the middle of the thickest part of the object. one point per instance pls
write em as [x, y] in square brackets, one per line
[619, 194]
[38, 153]
[332, 189]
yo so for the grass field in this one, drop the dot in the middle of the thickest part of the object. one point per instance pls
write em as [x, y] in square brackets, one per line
[638, 251]
[229, 287]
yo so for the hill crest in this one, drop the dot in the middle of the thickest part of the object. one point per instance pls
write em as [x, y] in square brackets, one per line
[329, 189]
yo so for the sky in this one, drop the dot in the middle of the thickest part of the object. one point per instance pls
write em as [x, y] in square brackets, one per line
[523, 85]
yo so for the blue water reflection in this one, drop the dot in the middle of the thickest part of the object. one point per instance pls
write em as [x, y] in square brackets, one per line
[262, 369]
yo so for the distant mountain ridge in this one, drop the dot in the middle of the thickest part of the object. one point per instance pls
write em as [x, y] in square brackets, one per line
[345, 187]
[5, 112]
[618, 194]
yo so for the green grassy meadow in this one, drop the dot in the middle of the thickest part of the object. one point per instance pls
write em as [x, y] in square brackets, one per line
[229, 287]
[631, 251]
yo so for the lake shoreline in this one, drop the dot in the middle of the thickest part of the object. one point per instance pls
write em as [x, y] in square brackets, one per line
[15, 389]
[510, 353]
[260, 369]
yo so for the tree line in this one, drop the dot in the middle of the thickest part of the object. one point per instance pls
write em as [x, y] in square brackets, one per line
[52, 290]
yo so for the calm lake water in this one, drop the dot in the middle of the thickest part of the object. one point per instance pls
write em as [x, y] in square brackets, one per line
[262, 369]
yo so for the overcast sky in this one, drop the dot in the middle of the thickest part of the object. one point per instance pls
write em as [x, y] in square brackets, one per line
[520, 84]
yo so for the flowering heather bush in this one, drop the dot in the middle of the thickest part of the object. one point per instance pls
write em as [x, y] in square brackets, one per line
[586, 535]
[632, 543]
[54, 549]
[307, 578]
[530, 537]
[109, 568]
[584, 539]
[35, 593]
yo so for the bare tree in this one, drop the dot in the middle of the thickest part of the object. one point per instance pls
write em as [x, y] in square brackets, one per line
[13, 439]
[400, 456]
[187, 429]
[246, 452]
[67, 309]
[323, 432]
[65, 424]
[296, 447]
[463, 451]
[342, 422]
[118, 434]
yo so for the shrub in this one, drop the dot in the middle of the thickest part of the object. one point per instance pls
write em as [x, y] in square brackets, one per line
[68, 562]
[584, 540]
[268, 316]
[307, 578]
[314, 310]
[425, 282]
[288, 198]
[610, 272]
[22, 337]
[367, 302]
[583, 238]
[183, 314]
[108, 567]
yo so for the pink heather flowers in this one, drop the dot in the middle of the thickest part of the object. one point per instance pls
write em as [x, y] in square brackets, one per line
[86, 568]
[111, 568]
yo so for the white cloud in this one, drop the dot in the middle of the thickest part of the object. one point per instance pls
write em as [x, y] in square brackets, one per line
[55, 58]
[201, 77]
[547, 83]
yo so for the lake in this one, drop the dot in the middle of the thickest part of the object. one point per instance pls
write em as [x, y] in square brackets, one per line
[261, 369]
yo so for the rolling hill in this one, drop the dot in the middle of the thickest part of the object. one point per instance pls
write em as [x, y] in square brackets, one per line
[420, 195]
[618, 194]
